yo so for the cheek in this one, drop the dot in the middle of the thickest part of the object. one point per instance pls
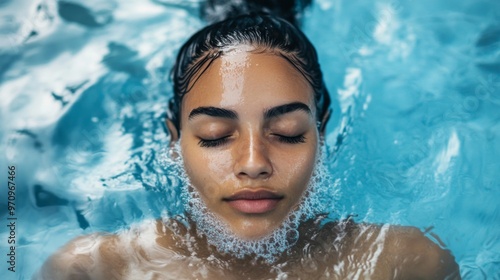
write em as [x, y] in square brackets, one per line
[297, 170]
[303, 168]
[207, 169]
[219, 166]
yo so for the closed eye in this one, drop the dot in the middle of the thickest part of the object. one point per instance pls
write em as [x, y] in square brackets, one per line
[291, 139]
[210, 143]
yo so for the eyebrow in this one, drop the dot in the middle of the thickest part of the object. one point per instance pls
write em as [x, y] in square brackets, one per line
[285, 109]
[268, 114]
[214, 112]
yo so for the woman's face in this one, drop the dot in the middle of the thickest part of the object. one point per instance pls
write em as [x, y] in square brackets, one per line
[249, 140]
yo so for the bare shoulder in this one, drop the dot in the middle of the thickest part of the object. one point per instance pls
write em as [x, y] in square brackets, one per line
[409, 254]
[101, 256]
[373, 251]
[82, 258]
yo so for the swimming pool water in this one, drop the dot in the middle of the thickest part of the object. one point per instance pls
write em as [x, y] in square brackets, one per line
[414, 139]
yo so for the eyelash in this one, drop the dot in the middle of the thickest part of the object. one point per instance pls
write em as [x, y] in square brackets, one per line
[210, 143]
[206, 143]
[291, 139]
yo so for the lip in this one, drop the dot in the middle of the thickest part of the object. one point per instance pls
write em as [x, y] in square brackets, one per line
[254, 202]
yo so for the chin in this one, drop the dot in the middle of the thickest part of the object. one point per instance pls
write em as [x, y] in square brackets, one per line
[254, 228]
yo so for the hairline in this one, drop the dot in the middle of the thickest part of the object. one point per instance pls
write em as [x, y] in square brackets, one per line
[216, 53]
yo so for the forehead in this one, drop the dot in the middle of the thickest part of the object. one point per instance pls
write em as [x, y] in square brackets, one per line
[244, 80]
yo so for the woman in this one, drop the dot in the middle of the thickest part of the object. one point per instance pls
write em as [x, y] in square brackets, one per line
[247, 122]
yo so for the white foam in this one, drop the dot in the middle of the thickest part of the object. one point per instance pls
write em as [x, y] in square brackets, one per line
[317, 199]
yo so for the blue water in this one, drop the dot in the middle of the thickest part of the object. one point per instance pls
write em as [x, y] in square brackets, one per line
[414, 139]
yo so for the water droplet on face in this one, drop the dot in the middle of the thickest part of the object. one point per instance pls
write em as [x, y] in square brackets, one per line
[318, 196]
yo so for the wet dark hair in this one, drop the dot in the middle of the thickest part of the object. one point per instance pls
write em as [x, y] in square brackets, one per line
[257, 28]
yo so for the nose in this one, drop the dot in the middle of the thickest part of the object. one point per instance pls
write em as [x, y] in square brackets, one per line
[252, 159]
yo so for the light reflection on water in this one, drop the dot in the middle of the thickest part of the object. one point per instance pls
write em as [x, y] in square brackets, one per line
[413, 139]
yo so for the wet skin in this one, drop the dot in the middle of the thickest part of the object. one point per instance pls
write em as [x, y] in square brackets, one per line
[248, 132]
[248, 125]
[337, 250]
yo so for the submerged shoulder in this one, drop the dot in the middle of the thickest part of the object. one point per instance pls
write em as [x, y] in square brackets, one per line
[390, 252]
[412, 255]
[83, 258]
[100, 256]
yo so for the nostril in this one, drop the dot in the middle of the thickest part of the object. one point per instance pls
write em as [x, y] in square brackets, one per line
[254, 168]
